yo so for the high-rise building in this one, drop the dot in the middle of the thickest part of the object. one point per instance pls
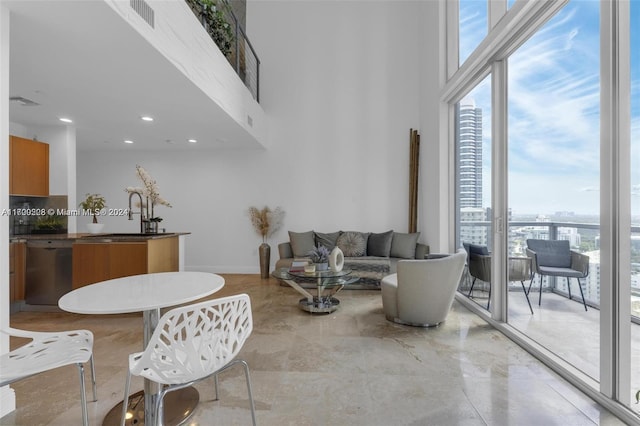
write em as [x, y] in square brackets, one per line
[470, 174]
[474, 232]
[470, 154]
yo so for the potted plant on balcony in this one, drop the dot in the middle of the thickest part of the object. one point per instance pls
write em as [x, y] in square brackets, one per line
[93, 204]
[212, 16]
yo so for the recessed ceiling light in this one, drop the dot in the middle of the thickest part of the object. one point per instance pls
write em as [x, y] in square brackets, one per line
[146, 118]
[128, 141]
[65, 120]
[192, 140]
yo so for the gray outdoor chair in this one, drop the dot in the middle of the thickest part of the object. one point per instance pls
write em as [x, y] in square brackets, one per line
[479, 263]
[554, 258]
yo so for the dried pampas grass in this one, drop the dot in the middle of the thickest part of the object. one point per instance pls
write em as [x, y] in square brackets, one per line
[266, 221]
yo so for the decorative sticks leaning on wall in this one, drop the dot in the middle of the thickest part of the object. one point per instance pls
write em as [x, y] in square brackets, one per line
[414, 162]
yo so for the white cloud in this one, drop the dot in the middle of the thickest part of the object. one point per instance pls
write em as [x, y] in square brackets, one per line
[554, 113]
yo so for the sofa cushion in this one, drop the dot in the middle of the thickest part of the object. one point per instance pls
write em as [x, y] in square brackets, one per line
[302, 243]
[327, 240]
[403, 245]
[352, 244]
[554, 253]
[379, 244]
[478, 249]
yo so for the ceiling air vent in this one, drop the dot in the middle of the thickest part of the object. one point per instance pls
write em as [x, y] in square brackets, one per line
[23, 101]
[144, 10]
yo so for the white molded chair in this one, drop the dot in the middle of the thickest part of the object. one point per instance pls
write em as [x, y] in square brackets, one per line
[192, 343]
[46, 351]
[421, 292]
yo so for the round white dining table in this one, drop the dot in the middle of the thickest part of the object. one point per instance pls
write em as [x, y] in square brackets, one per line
[146, 293]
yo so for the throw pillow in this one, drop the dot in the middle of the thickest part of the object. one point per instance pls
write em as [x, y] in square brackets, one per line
[301, 243]
[380, 244]
[327, 240]
[403, 246]
[352, 244]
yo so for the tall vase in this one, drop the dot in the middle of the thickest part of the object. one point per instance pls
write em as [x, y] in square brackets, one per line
[265, 257]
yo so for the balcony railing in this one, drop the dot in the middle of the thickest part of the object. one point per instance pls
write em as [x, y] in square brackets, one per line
[225, 30]
[519, 232]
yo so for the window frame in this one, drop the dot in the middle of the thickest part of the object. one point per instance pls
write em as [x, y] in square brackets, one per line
[510, 29]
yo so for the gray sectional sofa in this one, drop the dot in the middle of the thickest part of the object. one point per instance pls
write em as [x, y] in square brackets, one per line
[370, 256]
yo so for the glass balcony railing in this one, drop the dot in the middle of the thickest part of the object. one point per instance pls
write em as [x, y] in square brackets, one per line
[583, 237]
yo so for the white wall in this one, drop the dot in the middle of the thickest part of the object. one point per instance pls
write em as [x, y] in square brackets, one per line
[340, 84]
[193, 52]
[436, 173]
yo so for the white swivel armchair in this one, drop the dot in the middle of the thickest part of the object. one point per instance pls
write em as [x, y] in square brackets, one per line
[421, 292]
[192, 343]
[46, 351]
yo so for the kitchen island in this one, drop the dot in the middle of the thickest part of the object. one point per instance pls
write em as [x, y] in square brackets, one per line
[103, 257]
[94, 258]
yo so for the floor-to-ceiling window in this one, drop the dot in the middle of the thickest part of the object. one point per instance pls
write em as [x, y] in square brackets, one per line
[554, 139]
[635, 201]
[473, 26]
[557, 134]
[473, 150]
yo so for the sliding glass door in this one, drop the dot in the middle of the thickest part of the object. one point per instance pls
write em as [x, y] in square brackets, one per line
[554, 179]
[560, 162]
[473, 184]
[635, 202]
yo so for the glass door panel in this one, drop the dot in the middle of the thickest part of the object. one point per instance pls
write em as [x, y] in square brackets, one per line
[635, 202]
[473, 166]
[553, 173]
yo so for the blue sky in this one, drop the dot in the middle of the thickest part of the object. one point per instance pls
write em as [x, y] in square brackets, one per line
[554, 109]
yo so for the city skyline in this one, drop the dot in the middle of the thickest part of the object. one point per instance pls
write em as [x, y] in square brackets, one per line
[554, 110]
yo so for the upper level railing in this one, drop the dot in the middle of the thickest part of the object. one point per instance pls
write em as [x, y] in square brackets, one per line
[225, 30]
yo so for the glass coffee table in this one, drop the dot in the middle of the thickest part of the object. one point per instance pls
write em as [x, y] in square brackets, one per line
[327, 283]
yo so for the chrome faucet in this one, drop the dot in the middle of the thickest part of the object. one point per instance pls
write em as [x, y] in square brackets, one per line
[141, 210]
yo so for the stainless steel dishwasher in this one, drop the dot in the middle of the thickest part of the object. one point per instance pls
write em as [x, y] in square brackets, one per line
[48, 271]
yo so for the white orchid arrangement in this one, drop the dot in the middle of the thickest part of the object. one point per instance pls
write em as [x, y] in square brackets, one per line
[149, 192]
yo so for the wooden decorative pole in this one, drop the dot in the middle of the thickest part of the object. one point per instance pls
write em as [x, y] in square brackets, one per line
[414, 156]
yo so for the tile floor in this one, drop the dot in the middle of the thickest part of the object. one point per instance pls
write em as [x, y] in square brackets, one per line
[351, 367]
[566, 329]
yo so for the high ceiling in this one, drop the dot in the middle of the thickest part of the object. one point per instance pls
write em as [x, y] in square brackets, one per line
[81, 60]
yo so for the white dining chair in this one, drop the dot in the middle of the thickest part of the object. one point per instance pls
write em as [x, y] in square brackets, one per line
[192, 343]
[46, 351]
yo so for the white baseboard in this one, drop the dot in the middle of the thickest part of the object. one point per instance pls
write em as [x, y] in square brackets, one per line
[7, 400]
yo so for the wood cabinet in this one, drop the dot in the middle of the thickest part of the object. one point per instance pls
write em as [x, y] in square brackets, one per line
[99, 261]
[17, 271]
[28, 167]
